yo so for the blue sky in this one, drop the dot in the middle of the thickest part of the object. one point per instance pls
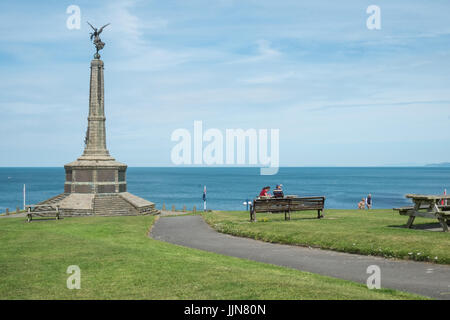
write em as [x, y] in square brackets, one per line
[341, 95]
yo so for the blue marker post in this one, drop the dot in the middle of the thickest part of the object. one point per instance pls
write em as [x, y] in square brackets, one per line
[204, 199]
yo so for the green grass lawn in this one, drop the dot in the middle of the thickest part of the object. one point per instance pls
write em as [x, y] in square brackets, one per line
[119, 261]
[374, 232]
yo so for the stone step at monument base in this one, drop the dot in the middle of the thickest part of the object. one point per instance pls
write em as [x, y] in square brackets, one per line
[55, 199]
[80, 204]
[106, 205]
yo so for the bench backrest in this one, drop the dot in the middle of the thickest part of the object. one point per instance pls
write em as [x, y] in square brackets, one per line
[288, 204]
[310, 203]
[271, 205]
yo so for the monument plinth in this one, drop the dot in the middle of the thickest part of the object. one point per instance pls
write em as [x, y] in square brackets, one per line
[95, 183]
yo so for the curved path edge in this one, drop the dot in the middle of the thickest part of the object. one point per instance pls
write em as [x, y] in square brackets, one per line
[416, 277]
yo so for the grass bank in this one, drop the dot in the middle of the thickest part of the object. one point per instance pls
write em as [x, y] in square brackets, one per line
[374, 232]
[119, 261]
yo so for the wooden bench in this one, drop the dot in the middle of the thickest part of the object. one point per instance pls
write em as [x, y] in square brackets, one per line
[426, 206]
[287, 205]
[42, 211]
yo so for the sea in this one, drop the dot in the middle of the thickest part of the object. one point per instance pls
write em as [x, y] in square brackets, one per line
[229, 188]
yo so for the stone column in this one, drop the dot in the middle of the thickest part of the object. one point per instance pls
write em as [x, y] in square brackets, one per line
[96, 133]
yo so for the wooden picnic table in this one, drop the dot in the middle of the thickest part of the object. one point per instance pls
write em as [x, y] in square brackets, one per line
[43, 210]
[427, 206]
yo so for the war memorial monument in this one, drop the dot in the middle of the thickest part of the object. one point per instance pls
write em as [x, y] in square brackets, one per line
[95, 183]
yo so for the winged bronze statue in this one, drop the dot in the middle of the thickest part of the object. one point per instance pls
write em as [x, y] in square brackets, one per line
[96, 38]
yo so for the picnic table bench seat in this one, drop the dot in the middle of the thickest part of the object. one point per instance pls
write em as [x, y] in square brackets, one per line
[286, 205]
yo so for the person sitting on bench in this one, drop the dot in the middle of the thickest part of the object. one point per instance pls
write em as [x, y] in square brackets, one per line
[362, 204]
[265, 192]
[278, 192]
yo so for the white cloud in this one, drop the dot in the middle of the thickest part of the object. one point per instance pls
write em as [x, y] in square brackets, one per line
[127, 27]
[264, 52]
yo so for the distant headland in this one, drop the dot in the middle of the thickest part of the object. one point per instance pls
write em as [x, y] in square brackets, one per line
[442, 164]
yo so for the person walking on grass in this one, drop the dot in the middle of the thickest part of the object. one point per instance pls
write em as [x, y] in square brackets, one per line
[369, 202]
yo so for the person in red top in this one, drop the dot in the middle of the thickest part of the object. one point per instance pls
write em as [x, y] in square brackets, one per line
[265, 192]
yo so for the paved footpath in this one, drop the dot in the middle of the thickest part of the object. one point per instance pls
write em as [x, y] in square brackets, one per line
[417, 277]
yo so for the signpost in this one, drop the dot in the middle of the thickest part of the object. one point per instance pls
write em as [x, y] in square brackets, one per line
[24, 196]
[246, 203]
[204, 199]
